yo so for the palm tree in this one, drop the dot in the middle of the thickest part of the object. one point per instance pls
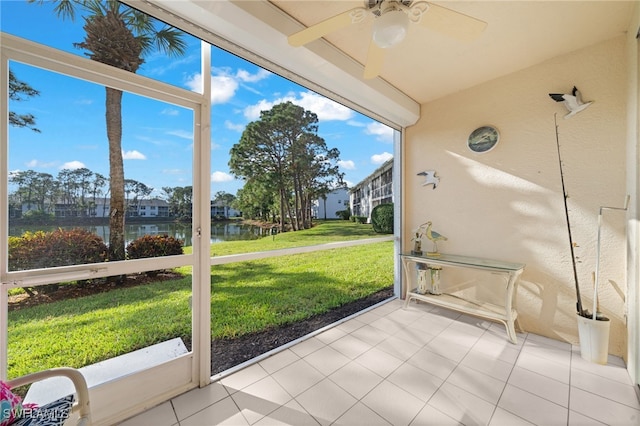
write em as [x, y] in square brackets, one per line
[119, 36]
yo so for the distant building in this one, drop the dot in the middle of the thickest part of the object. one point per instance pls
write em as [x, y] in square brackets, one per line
[326, 208]
[148, 208]
[220, 210]
[375, 189]
[154, 207]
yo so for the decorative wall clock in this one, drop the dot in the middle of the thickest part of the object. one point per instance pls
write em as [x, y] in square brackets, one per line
[483, 139]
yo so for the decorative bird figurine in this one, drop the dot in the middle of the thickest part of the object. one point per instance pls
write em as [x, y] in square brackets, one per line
[430, 178]
[572, 102]
[434, 237]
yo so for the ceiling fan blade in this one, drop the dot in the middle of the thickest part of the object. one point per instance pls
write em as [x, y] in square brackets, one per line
[320, 29]
[375, 60]
[451, 23]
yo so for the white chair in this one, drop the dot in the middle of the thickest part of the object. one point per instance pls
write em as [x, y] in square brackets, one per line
[80, 406]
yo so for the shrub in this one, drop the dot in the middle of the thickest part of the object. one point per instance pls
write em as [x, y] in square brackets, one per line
[154, 246]
[58, 248]
[360, 219]
[36, 216]
[382, 218]
[344, 214]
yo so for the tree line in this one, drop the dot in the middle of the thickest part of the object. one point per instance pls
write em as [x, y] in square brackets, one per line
[80, 192]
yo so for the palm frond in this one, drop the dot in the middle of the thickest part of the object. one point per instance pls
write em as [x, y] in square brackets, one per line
[94, 7]
[166, 39]
[63, 8]
[169, 40]
[139, 22]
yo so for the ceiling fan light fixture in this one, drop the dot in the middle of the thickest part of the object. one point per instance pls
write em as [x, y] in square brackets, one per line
[390, 28]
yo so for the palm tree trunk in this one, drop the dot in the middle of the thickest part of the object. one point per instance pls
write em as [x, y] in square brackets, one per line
[116, 173]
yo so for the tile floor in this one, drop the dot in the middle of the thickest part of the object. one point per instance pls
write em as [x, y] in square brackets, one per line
[416, 366]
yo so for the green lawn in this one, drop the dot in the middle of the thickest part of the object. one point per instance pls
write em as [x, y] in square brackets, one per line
[246, 297]
[324, 232]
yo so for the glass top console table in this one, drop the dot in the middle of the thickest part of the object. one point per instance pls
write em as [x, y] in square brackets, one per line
[507, 314]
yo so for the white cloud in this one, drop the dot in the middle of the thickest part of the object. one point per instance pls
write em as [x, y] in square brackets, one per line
[380, 131]
[247, 77]
[223, 87]
[194, 82]
[232, 126]
[224, 84]
[181, 134]
[221, 177]
[356, 123]
[324, 108]
[152, 60]
[252, 112]
[133, 155]
[170, 111]
[347, 164]
[153, 141]
[381, 158]
[72, 165]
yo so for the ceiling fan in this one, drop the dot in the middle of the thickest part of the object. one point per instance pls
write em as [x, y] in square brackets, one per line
[392, 20]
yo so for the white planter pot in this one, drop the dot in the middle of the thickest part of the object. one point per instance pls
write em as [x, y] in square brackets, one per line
[594, 339]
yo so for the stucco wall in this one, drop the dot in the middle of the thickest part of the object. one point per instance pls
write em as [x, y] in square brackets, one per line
[633, 183]
[507, 204]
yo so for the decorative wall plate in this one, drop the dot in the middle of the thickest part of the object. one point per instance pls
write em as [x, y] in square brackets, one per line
[483, 139]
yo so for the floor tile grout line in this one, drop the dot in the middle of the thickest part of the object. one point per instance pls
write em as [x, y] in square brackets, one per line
[424, 345]
[384, 378]
[571, 361]
[513, 366]
[173, 408]
[421, 346]
[495, 406]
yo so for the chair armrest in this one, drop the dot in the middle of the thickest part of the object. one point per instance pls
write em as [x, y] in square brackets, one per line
[79, 382]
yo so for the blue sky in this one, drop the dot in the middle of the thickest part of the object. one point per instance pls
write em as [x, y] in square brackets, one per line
[157, 137]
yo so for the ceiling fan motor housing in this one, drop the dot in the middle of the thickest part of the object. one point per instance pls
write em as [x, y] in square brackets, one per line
[376, 6]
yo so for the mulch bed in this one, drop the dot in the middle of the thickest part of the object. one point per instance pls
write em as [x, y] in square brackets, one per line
[86, 288]
[225, 353]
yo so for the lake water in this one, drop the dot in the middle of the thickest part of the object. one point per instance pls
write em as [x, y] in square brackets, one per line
[219, 231]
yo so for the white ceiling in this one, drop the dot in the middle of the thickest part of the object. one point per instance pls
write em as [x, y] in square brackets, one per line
[426, 66]
[429, 65]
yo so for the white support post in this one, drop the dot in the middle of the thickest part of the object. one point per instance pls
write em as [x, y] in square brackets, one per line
[4, 219]
[202, 224]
